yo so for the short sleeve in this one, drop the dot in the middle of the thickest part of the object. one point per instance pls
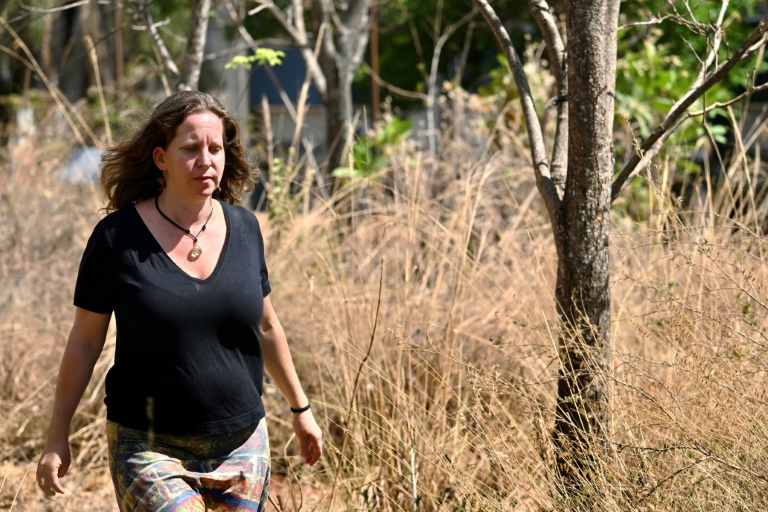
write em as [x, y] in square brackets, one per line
[95, 279]
[265, 286]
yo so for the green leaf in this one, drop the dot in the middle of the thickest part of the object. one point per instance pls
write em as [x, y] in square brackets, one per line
[263, 56]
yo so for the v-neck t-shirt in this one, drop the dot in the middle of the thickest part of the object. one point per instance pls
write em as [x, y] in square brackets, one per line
[188, 358]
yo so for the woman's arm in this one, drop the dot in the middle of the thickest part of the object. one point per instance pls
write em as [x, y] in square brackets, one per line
[84, 345]
[278, 362]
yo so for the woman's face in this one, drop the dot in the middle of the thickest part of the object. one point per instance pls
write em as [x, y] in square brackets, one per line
[193, 162]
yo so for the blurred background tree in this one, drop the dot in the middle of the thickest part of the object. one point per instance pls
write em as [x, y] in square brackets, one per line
[656, 52]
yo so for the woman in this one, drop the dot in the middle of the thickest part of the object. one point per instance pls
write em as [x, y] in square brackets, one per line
[183, 272]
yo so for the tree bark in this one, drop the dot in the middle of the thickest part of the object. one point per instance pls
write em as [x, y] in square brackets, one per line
[337, 101]
[578, 202]
[582, 423]
[70, 71]
[189, 76]
[193, 57]
[97, 22]
[344, 41]
[343, 29]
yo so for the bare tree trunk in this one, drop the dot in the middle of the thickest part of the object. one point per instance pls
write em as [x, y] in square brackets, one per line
[577, 190]
[189, 76]
[337, 101]
[582, 424]
[344, 31]
[98, 22]
[345, 38]
[193, 58]
[70, 65]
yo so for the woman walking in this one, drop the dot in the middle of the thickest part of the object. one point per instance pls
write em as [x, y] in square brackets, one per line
[184, 273]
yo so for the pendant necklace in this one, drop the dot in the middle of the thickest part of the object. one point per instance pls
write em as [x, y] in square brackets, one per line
[196, 249]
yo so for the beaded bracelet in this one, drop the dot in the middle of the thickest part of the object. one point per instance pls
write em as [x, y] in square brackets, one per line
[300, 409]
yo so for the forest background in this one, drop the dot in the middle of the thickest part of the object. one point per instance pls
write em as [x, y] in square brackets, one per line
[415, 275]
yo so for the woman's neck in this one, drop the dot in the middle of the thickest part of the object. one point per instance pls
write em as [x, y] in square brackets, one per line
[184, 212]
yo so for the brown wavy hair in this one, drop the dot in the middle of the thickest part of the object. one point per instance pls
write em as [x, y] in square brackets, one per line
[129, 174]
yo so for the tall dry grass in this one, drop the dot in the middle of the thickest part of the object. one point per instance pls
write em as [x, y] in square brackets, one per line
[450, 405]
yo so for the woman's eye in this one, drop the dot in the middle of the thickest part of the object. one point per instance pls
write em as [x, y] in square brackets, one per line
[216, 149]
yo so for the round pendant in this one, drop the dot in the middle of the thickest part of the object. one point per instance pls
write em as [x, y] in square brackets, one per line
[196, 251]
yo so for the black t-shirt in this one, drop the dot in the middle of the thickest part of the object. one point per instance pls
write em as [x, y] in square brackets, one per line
[188, 359]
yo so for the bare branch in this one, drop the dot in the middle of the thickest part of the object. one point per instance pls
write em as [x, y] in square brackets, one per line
[158, 24]
[357, 18]
[171, 71]
[299, 37]
[193, 57]
[718, 28]
[270, 6]
[649, 149]
[544, 181]
[759, 45]
[322, 15]
[257, 10]
[693, 26]
[556, 52]
[432, 88]
[336, 21]
[395, 89]
[92, 55]
[301, 103]
[298, 14]
[677, 18]
[292, 112]
[749, 92]
[653, 21]
[654, 150]
[548, 26]
[53, 9]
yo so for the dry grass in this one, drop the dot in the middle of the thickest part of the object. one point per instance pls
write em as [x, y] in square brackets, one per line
[455, 403]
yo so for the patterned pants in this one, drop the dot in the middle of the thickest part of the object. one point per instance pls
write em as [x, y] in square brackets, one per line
[164, 473]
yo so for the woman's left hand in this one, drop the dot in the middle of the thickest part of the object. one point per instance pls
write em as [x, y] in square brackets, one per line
[309, 435]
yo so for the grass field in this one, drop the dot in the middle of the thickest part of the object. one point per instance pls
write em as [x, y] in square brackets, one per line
[449, 406]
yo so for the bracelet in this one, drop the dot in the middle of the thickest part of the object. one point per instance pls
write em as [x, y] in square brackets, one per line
[300, 409]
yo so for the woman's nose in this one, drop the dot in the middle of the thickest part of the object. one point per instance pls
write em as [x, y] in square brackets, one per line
[204, 160]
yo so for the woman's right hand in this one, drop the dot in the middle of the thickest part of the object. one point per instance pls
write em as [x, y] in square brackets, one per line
[53, 465]
[84, 345]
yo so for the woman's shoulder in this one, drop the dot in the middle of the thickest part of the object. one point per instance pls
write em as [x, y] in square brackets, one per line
[117, 221]
[239, 213]
[118, 217]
